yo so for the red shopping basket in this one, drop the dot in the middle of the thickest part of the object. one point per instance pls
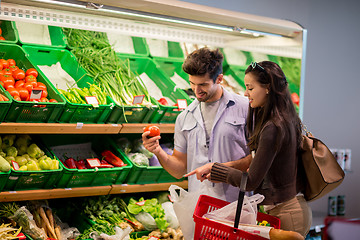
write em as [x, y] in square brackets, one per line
[208, 229]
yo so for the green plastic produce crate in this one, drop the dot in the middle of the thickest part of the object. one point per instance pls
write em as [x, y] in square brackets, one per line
[127, 45]
[32, 180]
[8, 31]
[142, 174]
[72, 112]
[163, 49]
[3, 179]
[26, 111]
[57, 38]
[4, 105]
[142, 65]
[86, 146]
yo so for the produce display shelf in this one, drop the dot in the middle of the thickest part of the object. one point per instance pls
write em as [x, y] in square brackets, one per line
[79, 128]
[9, 196]
[60, 128]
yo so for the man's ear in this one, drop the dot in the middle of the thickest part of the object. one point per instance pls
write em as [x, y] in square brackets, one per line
[219, 78]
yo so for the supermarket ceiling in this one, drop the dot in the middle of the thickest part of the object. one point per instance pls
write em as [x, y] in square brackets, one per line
[164, 19]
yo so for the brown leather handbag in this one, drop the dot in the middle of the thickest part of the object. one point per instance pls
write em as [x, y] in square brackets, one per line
[323, 173]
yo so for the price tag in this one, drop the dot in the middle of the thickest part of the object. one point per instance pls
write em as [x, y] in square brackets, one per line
[138, 99]
[182, 104]
[93, 162]
[36, 94]
[15, 165]
[141, 203]
[92, 100]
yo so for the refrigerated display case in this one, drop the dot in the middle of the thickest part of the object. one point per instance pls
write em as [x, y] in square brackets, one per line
[189, 25]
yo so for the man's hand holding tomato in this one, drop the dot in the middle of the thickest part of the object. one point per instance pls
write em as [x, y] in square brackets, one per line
[150, 138]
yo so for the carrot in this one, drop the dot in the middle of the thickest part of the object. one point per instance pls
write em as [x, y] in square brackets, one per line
[58, 232]
[46, 220]
[50, 217]
[3, 98]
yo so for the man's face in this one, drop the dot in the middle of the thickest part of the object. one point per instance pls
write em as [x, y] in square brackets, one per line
[205, 89]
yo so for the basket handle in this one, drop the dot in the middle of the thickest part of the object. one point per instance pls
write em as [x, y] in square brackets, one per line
[240, 200]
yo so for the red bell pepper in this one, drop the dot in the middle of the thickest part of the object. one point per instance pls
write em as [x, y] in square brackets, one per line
[80, 164]
[112, 159]
[70, 163]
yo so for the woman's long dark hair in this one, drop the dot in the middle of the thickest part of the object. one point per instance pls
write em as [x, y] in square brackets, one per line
[278, 108]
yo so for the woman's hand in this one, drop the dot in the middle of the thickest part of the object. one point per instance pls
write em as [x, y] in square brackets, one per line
[202, 172]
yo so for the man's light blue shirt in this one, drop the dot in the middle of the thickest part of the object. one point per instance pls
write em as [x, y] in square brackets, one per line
[227, 138]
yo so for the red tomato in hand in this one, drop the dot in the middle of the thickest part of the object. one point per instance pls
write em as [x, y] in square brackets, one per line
[32, 71]
[154, 130]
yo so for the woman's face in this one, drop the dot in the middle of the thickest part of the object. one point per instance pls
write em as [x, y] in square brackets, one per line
[256, 92]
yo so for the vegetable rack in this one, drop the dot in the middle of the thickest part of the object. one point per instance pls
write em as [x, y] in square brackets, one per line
[208, 229]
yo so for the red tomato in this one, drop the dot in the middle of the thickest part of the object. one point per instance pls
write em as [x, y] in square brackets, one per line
[8, 80]
[1, 66]
[41, 86]
[295, 98]
[0, 31]
[32, 71]
[6, 71]
[18, 74]
[11, 62]
[44, 94]
[44, 99]
[13, 91]
[13, 68]
[19, 84]
[2, 38]
[154, 130]
[53, 100]
[4, 63]
[31, 79]
[29, 86]
[24, 94]
[17, 98]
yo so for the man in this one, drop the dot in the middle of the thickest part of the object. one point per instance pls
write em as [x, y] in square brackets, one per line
[210, 129]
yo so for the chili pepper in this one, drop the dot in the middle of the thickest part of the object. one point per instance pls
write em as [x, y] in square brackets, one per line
[80, 164]
[105, 166]
[70, 163]
[112, 158]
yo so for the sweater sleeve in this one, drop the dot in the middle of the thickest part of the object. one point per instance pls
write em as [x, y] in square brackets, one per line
[259, 166]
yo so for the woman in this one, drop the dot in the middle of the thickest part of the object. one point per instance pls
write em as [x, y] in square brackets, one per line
[274, 130]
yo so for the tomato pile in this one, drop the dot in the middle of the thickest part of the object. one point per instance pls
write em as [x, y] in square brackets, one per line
[20, 83]
[1, 37]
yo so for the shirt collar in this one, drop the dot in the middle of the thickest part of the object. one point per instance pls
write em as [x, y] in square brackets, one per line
[226, 99]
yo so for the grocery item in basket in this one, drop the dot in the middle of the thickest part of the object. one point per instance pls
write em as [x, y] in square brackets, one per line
[58, 77]
[248, 214]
